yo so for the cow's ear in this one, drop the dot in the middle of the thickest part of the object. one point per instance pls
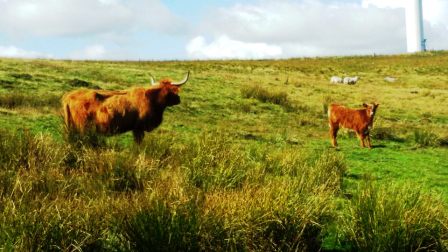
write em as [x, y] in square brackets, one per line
[365, 105]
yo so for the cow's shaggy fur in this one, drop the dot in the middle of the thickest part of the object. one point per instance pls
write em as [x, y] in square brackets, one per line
[113, 112]
[359, 120]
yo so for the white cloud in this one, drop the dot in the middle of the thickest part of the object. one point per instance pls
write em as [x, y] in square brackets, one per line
[251, 29]
[99, 51]
[85, 17]
[311, 27]
[95, 51]
[435, 15]
[226, 48]
[434, 11]
[384, 3]
[15, 52]
[91, 52]
[108, 2]
[319, 28]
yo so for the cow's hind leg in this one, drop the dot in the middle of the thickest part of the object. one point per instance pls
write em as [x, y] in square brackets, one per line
[138, 136]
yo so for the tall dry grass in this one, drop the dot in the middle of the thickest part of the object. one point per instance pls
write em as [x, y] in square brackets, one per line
[396, 218]
[209, 194]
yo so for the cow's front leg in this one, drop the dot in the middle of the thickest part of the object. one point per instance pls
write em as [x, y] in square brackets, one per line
[138, 136]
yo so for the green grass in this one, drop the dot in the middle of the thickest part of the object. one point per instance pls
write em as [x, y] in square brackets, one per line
[243, 163]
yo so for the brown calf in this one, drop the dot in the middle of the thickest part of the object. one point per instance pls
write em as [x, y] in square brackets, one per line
[113, 112]
[359, 120]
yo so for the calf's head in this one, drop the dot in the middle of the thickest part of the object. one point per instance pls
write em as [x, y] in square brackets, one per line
[371, 108]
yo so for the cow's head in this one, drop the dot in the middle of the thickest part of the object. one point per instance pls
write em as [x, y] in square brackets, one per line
[371, 108]
[167, 92]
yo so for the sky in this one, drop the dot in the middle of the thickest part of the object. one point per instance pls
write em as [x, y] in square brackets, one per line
[211, 29]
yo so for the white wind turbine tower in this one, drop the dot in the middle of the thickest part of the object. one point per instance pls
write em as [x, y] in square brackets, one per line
[414, 26]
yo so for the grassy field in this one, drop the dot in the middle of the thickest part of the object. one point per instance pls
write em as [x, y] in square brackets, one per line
[243, 163]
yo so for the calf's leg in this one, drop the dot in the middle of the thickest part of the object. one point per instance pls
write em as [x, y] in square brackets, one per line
[361, 139]
[368, 141]
[333, 134]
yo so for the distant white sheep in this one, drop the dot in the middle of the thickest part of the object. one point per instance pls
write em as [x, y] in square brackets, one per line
[390, 79]
[351, 80]
[335, 79]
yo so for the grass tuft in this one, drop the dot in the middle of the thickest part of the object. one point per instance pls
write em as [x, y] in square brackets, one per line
[24, 76]
[79, 83]
[90, 138]
[267, 96]
[164, 227]
[396, 219]
[16, 99]
[326, 101]
[213, 162]
[425, 138]
[386, 133]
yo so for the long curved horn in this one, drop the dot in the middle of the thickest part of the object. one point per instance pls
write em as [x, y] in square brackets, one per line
[182, 81]
[152, 80]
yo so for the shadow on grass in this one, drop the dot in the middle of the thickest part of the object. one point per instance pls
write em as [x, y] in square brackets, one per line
[362, 176]
[374, 146]
[354, 176]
